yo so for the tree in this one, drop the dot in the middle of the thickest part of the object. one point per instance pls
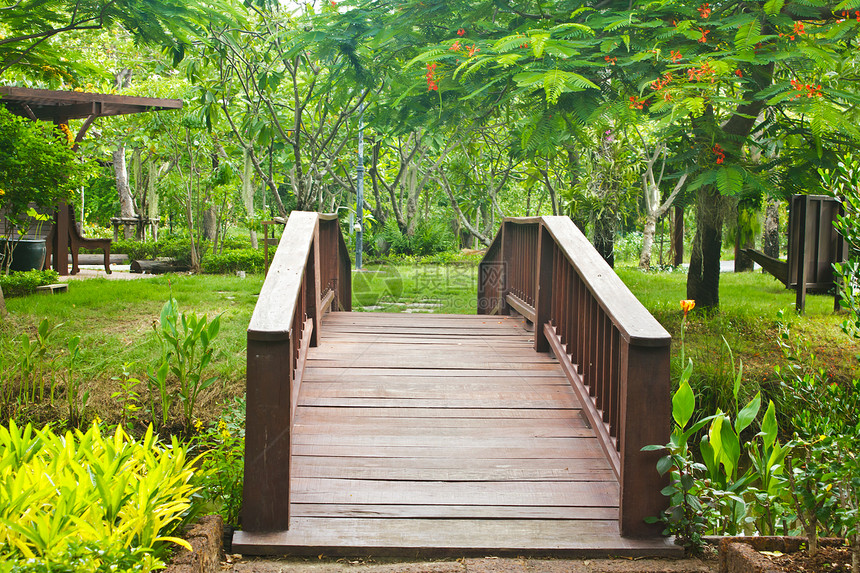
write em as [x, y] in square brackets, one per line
[714, 71]
[30, 28]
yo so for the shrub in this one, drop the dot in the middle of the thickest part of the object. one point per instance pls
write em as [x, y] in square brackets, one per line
[248, 260]
[25, 282]
[430, 237]
[78, 502]
[174, 247]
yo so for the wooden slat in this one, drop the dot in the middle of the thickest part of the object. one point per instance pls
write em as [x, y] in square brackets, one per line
[371, 511]
[433, 537]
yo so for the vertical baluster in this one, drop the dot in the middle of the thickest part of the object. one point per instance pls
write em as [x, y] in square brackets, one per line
[598, 356]
[615, 388]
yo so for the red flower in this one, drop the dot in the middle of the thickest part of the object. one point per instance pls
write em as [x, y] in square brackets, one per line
[455, 46]
[610, 60]
[431, 78]
[461, 32]
[718, 151]
[704, 37]
[675, 56]
[472, 50]
[739, 73]
[705, 10]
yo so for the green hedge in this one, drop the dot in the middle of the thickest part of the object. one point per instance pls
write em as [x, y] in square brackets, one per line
[24, 283]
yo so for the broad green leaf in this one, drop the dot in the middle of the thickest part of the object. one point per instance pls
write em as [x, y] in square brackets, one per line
[683, 404]
[731, 450]
[748, 414]
[769, 427]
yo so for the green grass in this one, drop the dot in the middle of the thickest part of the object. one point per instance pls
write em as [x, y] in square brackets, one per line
[746, 328]
[114, 320]
[416, 287]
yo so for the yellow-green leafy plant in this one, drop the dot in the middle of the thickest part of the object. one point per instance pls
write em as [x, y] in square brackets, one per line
[61, 494]
[186, 352]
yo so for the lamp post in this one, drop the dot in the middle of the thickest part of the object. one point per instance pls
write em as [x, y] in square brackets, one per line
[359, 195]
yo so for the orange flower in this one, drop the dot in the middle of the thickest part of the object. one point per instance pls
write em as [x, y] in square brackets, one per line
[461, 32]
[454, 46]
[687, 306]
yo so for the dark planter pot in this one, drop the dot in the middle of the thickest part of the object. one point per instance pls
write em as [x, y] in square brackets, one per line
[28, 254]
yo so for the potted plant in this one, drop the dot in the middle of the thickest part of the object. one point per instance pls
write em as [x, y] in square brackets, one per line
[38, 167]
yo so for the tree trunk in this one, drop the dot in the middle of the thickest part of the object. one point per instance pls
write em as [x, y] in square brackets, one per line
[647, 242]
[210, 223]
[678, 237]
[770, 238]
[703, 280]
[604, 238]
[248, 194]
[126, 201]
[744, 239]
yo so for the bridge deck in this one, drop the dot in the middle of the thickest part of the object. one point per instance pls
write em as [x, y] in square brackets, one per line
[443, 435]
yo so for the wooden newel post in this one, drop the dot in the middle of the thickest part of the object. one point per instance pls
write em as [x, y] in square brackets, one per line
[645, 420]
[266, 495]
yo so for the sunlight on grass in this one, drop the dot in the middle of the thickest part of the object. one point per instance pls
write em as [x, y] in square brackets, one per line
[416, 288]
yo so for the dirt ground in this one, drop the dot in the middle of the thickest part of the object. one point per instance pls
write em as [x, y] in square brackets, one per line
[486, 565]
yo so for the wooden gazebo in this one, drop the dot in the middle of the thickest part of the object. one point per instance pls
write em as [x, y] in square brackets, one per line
[61, 106]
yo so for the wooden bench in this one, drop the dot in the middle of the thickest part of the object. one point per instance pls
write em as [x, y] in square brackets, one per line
[76, 241]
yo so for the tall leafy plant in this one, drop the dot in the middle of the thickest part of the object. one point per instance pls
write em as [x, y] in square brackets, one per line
[186, 342]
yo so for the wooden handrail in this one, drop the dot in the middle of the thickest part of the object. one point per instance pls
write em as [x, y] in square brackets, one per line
[285, 323]
[614, 353]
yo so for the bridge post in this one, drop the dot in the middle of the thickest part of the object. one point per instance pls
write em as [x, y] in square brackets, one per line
[266, 494]
[645, 420]
[543, 287]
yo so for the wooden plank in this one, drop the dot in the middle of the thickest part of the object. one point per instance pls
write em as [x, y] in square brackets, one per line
[525, 392]
[336, 491]
[588, 449]
[370, 360]
[321, 422]
[419, 413]
[440, 441]
[333, 536]
[376, 511]
[321, 371]
[565, 401]
[472, 383]
[277, 303]
[413, 469]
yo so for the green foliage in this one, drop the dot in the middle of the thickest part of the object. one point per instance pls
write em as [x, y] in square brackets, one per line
[36, 165]
[430, 237]
[135, 495]
[844, 183]
[228, 262]
[186, 352]
[22, 283]
[221, 448]
[175, 247]
[29, 366]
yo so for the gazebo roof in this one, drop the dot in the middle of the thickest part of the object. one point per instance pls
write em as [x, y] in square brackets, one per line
[61, 106]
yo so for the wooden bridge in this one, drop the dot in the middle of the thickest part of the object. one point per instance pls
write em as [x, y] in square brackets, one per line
[516, 431]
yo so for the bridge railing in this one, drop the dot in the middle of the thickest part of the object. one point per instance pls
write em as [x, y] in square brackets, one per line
[310, 273]
[615, 354]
